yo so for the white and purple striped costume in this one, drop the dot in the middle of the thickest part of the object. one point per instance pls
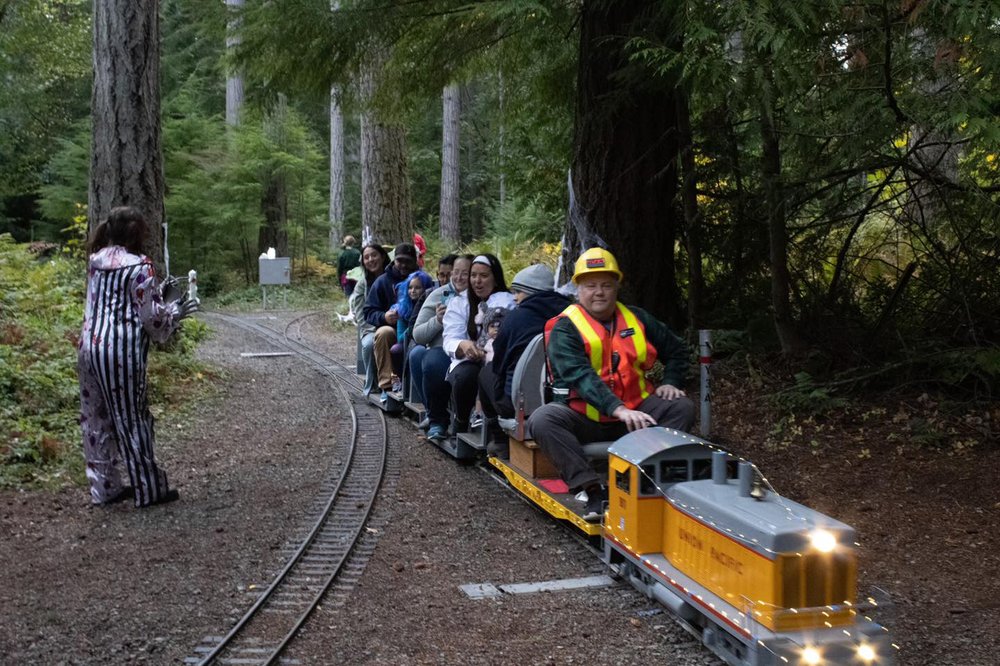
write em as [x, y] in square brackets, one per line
[123, 311]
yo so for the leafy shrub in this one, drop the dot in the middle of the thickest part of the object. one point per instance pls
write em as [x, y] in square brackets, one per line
[41, 309]
[806, 397]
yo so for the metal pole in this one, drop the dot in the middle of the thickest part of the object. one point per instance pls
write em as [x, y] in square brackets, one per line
[705, 360]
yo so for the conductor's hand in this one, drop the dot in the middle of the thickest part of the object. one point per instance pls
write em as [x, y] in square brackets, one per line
[632, 418]
[391, 316]
[669, 392]
[187, 307]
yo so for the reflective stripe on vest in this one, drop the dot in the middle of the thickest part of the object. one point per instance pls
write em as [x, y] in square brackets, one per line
[636, 356]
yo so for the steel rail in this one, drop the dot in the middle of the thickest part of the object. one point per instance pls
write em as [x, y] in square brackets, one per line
[342, 489]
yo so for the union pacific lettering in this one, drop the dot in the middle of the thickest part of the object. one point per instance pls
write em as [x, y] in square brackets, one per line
[691, 539]
[727, 561]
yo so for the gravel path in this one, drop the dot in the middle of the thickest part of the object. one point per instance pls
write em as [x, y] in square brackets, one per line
[95, 585]
[89, 585]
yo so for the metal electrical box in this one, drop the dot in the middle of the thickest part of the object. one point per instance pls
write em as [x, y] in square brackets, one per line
[275, 271]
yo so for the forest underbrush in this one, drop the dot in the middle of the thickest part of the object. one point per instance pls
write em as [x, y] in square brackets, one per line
[41, 310]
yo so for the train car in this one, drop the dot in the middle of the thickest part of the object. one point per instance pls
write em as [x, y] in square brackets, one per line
[760, 578]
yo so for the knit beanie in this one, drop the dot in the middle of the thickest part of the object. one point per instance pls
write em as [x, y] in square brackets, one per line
[533, 279]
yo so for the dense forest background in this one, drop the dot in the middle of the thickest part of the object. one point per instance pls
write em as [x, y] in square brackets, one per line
[820, 179]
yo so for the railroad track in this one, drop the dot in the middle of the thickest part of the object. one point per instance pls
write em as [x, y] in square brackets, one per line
[343, 528]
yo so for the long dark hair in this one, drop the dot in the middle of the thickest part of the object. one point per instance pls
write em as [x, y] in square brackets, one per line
[371, 277]
[124, 226]
[499, 284]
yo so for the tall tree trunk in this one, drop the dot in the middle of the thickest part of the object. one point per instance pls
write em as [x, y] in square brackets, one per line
[126, 162]
[774, 200]
[502, 148]
[744, 236]
[274, 202]
[336, 169]
[624, 163]
[692, 216]
[449, 164]
[386, 213]
[234, 79]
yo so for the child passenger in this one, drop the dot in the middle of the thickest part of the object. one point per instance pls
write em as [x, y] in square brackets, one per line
[411, 295]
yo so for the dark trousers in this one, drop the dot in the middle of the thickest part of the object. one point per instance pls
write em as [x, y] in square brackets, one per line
[561, 433]
[464, 380]
[437, 391]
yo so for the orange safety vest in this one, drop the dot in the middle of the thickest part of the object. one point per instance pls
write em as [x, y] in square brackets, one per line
[627, 341]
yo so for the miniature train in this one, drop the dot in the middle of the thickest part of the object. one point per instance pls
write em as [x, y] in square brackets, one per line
[759, 578]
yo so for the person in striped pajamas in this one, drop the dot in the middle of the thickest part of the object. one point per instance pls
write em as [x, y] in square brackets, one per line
[124, 310]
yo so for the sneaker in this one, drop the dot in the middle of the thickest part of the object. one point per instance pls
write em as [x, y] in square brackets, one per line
[384, 398]
[596, 499]
[397, 385]
[436, 431]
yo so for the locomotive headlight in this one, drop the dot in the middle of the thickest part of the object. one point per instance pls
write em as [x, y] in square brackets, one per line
[823, 541]
[811, 656]
[866, 653]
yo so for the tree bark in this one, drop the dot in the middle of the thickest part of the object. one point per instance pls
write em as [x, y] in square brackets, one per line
[774, 200]
[386, 213]
[450, 165]
[624, 165]
[336, 169]
[126, 164]
[274, 202]
[234, 79]
[692, 216]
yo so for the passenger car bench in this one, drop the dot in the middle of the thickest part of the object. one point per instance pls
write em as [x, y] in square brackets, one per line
[528, 392]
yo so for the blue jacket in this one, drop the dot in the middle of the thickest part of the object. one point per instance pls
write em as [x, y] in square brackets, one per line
[517, 329]
[382, 296]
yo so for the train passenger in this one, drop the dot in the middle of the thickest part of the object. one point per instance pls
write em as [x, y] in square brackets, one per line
[537, 302]
[428, 360]
[374, 259]
[601, 400]
[487, 289]
[125, 308]
[445, 266]
[410, 295]
[381, 313]
[349, 258]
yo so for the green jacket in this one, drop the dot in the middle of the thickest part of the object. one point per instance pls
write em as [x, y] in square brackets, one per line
[571, 368]
[348, 259]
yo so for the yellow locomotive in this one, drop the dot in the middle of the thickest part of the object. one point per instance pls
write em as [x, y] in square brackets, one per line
[762, 579]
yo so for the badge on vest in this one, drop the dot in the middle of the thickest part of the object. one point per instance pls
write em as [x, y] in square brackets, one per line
[627, 332]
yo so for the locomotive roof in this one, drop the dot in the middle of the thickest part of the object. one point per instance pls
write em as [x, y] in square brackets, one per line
[774, 522]
[640, 445]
